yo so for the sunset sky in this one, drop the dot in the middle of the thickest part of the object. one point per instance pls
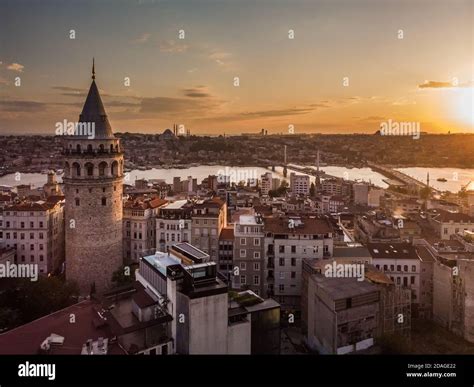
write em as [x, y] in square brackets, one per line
[425, 77]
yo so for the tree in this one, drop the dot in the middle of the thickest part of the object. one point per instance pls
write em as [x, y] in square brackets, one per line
[312, 190]
[123, 276]
[280, 191]
[9, 318]
[24, 300]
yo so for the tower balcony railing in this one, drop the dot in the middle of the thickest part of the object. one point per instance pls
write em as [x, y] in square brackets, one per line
[90, 153]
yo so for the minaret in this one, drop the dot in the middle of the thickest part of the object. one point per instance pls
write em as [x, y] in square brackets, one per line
[285, 170]
[93, 179]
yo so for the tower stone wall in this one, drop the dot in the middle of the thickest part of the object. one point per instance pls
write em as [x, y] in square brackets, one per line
[93, 181]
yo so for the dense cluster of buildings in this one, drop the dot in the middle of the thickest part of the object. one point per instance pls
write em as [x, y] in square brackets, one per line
[219, 266]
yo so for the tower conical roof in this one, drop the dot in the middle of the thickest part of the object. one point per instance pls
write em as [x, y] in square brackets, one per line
[94, 112]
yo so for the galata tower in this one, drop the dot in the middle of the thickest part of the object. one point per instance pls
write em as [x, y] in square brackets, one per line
[93, 181]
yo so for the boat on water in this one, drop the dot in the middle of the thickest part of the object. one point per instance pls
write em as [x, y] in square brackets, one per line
[442, 180]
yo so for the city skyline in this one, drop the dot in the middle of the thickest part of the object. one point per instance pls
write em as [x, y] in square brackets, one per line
[317, 67]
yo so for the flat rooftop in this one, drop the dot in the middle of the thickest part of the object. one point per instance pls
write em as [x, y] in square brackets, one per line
[248, 220]
[176, 205]
[341, 288]
[190, 251]
[348, 252]
[161, 261]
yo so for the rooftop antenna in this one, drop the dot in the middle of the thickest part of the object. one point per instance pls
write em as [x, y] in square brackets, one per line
[93, 68]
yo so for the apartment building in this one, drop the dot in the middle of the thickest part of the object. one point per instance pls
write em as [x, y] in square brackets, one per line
[205, 317]
[351, 308]
[453, 296]
[361, 193]
[410, 267]
[226, 251]
[336, 186]
[447, 223]
[299, 184]
[173, 224]
[249, 255]
[375, 228]
[208, 218]
[289, 240]
[266, 183]
[342, 314]
[139, 227]
[36, 231]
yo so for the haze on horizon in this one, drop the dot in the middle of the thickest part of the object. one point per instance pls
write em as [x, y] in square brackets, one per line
[346, 69]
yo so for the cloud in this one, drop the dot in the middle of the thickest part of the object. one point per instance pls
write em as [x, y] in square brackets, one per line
[223, 59]
[442, 85]
[434, 85]
[22, 106]
[122, 104]
[277, 112]
[197, 92]
[403, 102]
[16, 67]
[173, 47]
[142, 38]
[67, 88]
[273, 113]
[71, 91]
[373, 119]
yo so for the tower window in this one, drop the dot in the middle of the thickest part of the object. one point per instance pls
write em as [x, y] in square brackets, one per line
[104, 201]
[77, 202]
[103, 189]
[77, 169]
[90, 169]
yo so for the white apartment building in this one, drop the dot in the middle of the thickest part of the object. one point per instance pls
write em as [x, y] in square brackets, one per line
[266, 184]
[289, 240]
[173, 224]
[299, 184]
[410, 267]
[36, 231]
